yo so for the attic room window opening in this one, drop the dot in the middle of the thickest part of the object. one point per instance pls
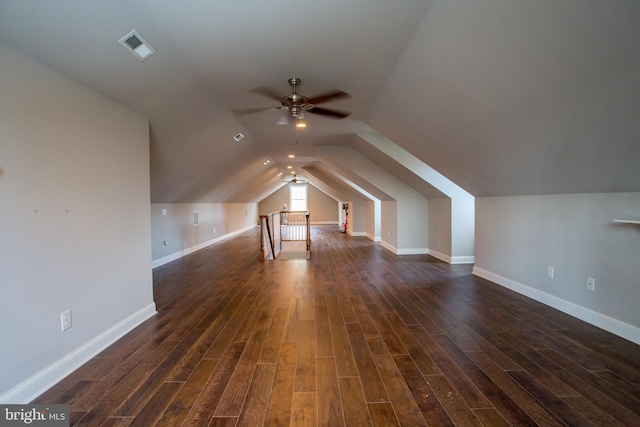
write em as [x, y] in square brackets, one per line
[298, 197]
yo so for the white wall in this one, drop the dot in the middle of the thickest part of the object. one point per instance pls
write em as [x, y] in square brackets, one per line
[462, 206]
[373, 217]
[174, 234]
[323, 209]
[74, 225]
[440, 228]
[517, 238]
[358, 220]
[404, 205]
[389, 225]
[275, 201]
[413, 223]
[462, 229]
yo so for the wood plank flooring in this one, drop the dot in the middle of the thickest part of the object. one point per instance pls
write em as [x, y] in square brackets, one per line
[353, 337]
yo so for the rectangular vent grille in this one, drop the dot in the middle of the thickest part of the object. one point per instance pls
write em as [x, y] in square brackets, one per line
[196, 219]
[137, 45]
[133, 42]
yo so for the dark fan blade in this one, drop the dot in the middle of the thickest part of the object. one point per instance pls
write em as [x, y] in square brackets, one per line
[334, 94]
[330, 113]
[268, 92]
[253, 110]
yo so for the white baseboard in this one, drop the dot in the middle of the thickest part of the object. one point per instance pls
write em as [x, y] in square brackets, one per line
[37, 384]
[469, 259]
[357, 233]
[373, 238]
[388, 247]
[452, 259]
[442, 257]
[413, 251]
[177, 255]
[599, 320]
[410, 251]
[426, 251]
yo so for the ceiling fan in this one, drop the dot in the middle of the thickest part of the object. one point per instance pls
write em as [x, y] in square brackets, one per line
[295, 180]
[296, 105]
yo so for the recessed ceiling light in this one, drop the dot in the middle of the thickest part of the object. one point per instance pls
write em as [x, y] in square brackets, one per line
[291, 156]
[289, 167]
[301, 124]
[266, 162]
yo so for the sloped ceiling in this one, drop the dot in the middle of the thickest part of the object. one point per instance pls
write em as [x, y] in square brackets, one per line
[520, 97]
[504, 97]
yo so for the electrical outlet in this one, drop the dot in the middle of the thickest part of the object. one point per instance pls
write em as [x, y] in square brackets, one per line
[550, 272]
[591, 284]
[65, 320]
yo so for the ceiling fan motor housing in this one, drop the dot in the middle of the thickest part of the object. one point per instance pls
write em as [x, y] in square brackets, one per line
[295, 103]
[296, 111]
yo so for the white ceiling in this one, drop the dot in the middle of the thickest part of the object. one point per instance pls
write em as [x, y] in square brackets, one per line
[504, 97]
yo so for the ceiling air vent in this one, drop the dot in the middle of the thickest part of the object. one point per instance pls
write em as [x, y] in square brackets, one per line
[138, 46]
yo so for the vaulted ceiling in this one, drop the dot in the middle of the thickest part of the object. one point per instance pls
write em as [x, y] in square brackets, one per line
[504, 97]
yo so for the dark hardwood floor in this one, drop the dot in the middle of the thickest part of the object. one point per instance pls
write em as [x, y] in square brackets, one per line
[354, 337]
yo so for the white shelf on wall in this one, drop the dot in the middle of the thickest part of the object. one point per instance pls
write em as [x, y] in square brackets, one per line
[627, 221]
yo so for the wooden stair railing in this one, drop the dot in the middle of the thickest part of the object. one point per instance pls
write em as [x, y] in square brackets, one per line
[269, 236]
[283, 226]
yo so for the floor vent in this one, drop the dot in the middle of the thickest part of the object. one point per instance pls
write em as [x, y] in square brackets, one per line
[138, 46]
